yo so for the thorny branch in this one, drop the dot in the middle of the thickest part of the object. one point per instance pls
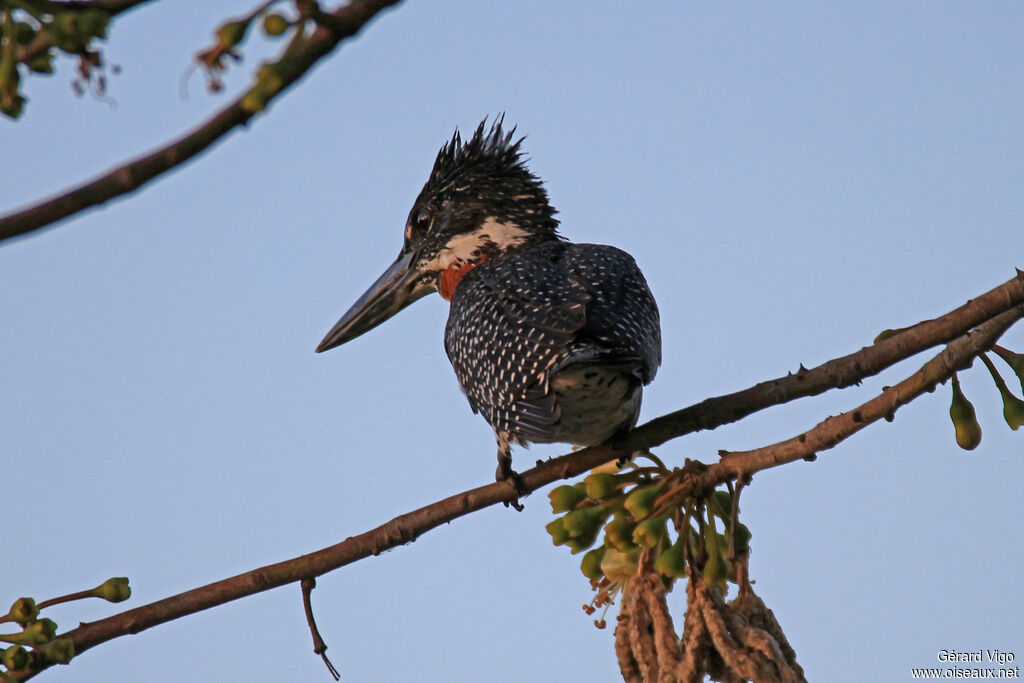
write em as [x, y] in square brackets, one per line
[337, 26]
[969, 330]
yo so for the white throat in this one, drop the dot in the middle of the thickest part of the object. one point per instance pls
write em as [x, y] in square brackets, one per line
[466, 248]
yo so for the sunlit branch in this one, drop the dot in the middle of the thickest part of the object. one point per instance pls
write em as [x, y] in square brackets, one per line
[968, 330]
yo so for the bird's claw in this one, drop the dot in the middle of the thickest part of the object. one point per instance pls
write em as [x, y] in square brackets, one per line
[509, 476]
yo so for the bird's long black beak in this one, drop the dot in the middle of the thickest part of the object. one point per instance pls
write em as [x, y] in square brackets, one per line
[398, 287]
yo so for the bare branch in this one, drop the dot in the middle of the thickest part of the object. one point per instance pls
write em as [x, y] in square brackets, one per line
[992, 313]
[830, 432]
[838, 373]
[345, 22]
[319, 646]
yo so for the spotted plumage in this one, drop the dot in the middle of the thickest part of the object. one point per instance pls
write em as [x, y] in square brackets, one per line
[551, 341]
[523, 320]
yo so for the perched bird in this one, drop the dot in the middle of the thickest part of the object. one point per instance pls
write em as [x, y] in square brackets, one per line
[551, 341]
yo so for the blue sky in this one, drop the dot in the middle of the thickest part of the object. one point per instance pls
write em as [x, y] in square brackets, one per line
[791, 178]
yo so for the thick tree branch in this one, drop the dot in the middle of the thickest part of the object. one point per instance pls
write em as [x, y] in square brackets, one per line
[992, 313]
[833, 430]
[837, 373]
[345, 22]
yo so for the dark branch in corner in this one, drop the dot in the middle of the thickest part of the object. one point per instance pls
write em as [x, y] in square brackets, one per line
[43, 40]
[344, 23]
[111, 6]
[991, 314]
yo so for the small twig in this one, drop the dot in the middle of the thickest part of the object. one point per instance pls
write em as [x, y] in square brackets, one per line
[996, 377]
[319, 646]
[78, 595]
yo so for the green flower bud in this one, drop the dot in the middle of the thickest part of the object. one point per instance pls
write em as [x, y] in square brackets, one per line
[1013, 407]
[269, 78]
[59, 650]
[559, 535]
[254, 101]
[23, 33]
[1013, 410]
[577, 544]
[39, 632]
[640, 501]
[671, 562]
[649, 532]
[618, 533]
[94, 22]
[591, 563]
[885, 334]
[66, 31]
[565, 498]
[1014, 360]
[720, 503]
[275, 25]
[65, 23]
[114, 590]
[601, 485]
[15, 658]
[619, 566]
[965, 421]
[715, 569]
[12, 105]
[232, 33]
[41, 63]
[23, 611]
[583, 521]
[742, 546]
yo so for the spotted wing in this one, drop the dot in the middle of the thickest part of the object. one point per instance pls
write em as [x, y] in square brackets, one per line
[518, 319]
[622, 317]
[511, 320]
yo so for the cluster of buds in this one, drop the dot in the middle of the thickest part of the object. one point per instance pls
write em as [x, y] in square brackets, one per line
[230, 36]
[645, 508]
[38, 635]
[31, 35]
[961, 410]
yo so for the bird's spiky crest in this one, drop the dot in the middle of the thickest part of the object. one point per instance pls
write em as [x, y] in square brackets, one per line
[491, 165]
[490, 152]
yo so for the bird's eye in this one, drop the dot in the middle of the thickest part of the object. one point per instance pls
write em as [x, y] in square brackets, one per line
[421, 221]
